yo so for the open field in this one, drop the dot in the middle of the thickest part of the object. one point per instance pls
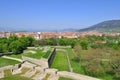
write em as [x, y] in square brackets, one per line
[60, 61]
[6, 62]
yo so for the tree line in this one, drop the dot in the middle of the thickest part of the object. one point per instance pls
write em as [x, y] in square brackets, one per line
[14, 44]
[84, 42]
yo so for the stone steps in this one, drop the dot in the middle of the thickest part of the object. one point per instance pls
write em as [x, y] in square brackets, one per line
[29, 73]
[40, 76]
[16, 71]
[53, 77]
[1, 74]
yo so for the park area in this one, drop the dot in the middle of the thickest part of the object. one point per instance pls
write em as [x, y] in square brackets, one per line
[60, 61]
[64, 60]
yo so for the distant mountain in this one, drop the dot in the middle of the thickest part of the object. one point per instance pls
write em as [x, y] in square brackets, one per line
[35, 29]
[68, 30]
[106, 26]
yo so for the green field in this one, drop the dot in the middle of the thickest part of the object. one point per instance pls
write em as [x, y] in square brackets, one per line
[6, 62]
[60, 61]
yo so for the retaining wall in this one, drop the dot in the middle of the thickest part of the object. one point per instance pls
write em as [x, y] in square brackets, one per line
[51, 57]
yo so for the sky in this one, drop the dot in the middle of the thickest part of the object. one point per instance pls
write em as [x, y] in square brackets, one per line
[56, 14]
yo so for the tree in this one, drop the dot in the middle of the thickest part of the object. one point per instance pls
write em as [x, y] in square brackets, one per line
[11, 39]
[84, 44]
[16, 47]
[77, 53]
[92, 63]
[72, 42]
[115, 63]
[51, 41]
[63, 41]
[5, 48]
[1, 48]
[26, 41]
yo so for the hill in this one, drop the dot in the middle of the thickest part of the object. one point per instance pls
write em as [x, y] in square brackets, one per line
[106, 26]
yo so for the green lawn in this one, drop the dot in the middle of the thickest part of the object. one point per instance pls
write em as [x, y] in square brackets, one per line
[36, 55]
[47, 54]
[16, 56]
[6, 62]
[60, 61]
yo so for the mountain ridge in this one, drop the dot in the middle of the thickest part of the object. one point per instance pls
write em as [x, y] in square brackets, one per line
[105, 26]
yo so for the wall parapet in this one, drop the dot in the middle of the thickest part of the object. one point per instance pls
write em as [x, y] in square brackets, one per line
[51, 57]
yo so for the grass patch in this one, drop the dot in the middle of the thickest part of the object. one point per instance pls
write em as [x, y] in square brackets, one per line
[60, 61]
[63, 78]
[47, 54]
[6, 62]
[19, 56]
[37, 55]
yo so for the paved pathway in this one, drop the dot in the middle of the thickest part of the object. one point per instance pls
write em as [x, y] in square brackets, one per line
[75, 76]
[20, 60]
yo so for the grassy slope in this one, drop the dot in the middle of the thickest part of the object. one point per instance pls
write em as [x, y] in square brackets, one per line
[6, 62]
[60, 62]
